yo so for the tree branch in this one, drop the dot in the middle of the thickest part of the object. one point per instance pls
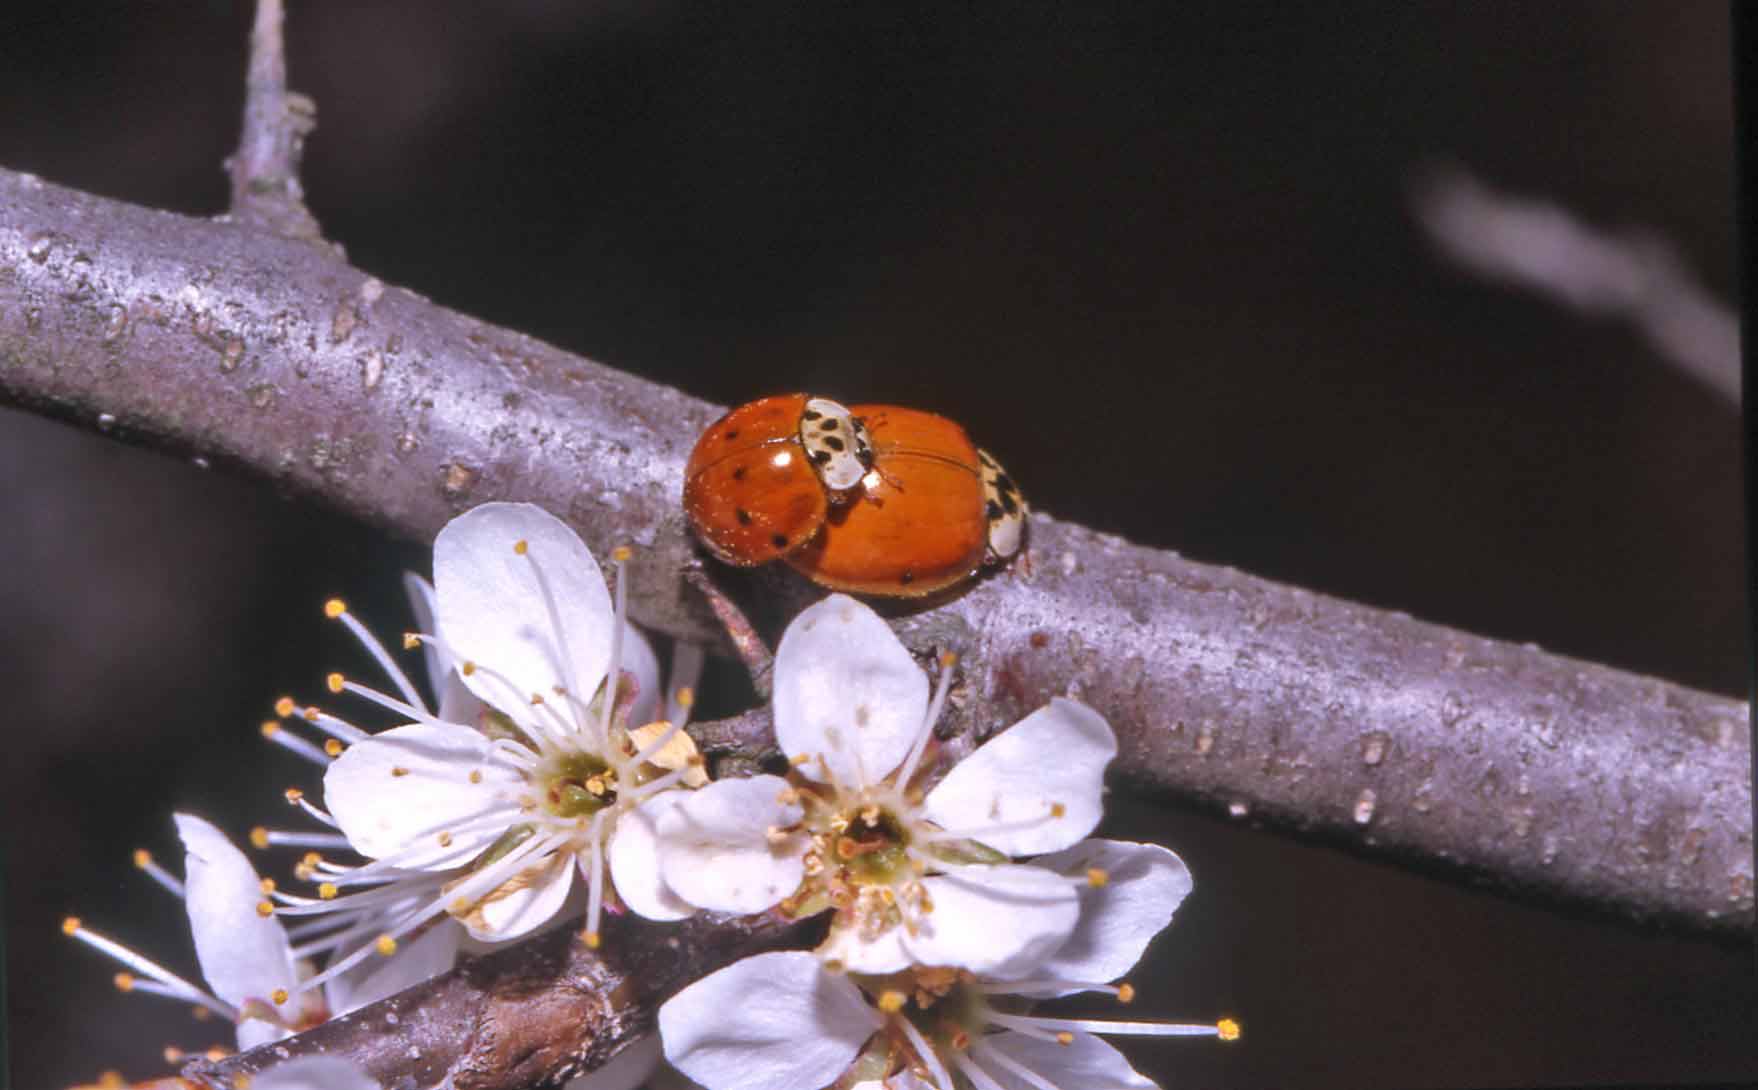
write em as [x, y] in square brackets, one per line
[1551, 777]
[529, 1016]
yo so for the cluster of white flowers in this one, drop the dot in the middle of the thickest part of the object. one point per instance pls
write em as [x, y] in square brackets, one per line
[956, 899]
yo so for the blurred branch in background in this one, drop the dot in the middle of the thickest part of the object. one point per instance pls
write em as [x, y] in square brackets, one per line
[1636, 276]
[1547, 776]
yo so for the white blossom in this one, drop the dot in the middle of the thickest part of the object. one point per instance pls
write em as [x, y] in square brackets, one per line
[487, 817]
[915, 877]
[784, 1022]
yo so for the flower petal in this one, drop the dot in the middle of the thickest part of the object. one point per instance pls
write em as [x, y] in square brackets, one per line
[771, 1022]
[495, 611]
[428, 955]
[243, 955]
[314, 1073]
[1008, 792]
[634, 861]
[1086, 1062]
[715, 851]
[847, 689]
[396, 792]
[631, 1067]
[524, 902]
[1144, 885]
[996, 921]
[642, 664]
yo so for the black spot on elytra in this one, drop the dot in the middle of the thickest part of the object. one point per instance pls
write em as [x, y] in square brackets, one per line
[907, 577]
[1005, 483]
[834, 443]
[813, 414]
[830, 425]
[744, 516]
[779, 541]
[731, 433]
[1010, 504]
[738, 474]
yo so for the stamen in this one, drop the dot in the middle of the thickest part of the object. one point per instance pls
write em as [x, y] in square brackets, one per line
[1035, 1026]
[262, 838]
[418, 713]
[925, 1052]
[925, 733]
[322, 720]
[273, 731]
[297, 798]
[144, 861]
[161, 981]
[379, 654]
[595, 886]
[687, 661]
[1227, 1029]
[981, 1079]
[564, 663]
[618, 556]
[647, 752]
[989, 1054]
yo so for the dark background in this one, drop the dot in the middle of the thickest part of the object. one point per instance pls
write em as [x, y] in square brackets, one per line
[1163, 265]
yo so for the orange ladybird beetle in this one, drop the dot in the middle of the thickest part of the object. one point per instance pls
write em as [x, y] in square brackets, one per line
[873, 499]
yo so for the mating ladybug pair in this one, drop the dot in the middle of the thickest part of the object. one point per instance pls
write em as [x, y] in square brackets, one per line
[873, 499]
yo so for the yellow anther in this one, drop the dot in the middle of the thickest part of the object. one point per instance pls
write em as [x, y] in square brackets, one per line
[686, 696]
[269, 728]
[592, 940]
[311, 715]
[621, 554]
[459, 907]
[334, 747]
[173, 1054]
[1126, 992]
[521, 546]
[334, 608]
[1228, 1029]
[399, 772]
[476, 775]
[1058, 810]
[948, 659]
[311, 859]
[124, 982]
[411, 641]
[891, 1000]
[259, 838]
[267, 885]
[1065, 1038]
[285, 707]
[799, 760]
[112, 1080]
[1097, 877]
[265, 909]
[279, 996]
[444, 838]
[216, 1053]
[200, 1014]
[467, 669]
[142, 858]
[70, 925]
[595, 785]
[536, 700]
[385, 945]
[327, 891]
[334, 682]
[294, 794]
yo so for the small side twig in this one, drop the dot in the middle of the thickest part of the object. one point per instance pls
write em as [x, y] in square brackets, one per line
[266, 193]
[1539, 246]
[752, 651]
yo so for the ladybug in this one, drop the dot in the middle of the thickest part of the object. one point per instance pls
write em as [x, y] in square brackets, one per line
[874, 499]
